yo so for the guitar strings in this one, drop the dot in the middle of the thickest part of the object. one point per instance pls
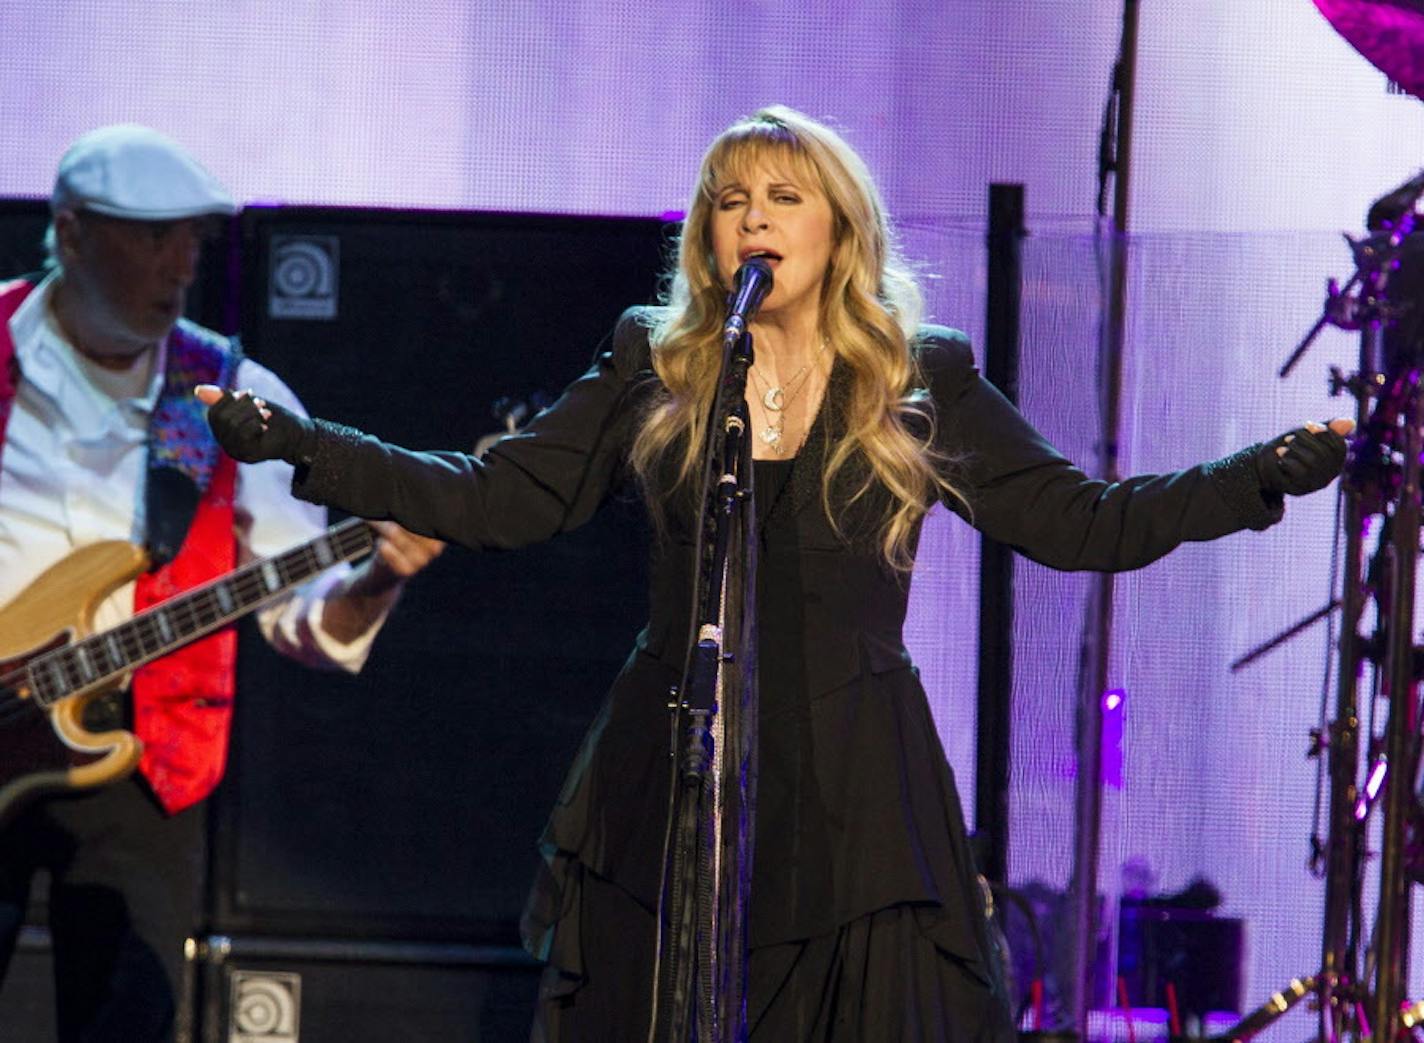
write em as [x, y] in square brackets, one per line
[246, 583]
[130, 637]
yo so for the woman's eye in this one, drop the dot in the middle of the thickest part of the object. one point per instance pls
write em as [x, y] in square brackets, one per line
[731, 202]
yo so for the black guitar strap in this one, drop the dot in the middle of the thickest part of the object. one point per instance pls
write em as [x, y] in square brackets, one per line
[182, 453]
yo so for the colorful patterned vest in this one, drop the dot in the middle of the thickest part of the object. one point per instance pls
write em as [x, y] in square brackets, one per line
[182, 703]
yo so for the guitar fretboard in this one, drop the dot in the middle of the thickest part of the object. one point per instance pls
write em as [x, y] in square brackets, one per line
[163, 628]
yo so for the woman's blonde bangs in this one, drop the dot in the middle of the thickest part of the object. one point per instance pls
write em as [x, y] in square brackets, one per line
[750, 147]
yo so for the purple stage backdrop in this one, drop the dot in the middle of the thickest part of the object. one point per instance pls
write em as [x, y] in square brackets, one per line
[1259, 135]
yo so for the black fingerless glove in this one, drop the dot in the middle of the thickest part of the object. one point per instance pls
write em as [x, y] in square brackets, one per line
[1311, 461]
[239, 428]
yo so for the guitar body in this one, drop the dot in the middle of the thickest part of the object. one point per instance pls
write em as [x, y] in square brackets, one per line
[53, 664]
[48, 749]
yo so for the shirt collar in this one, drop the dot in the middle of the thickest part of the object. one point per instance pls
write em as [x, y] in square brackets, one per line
[39, 339]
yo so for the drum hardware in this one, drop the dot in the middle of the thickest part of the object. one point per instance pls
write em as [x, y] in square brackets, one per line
[1357, 985]
[1355, 998]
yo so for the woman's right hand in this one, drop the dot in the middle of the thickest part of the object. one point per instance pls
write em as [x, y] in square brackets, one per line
[251, 429]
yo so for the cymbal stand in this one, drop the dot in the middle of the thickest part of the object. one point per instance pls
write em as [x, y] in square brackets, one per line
[1391, 942]
[1344, 843]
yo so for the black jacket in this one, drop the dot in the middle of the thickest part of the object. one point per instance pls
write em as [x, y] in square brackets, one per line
[857, 808]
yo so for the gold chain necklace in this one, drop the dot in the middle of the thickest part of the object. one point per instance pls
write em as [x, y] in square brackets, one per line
[776, 400]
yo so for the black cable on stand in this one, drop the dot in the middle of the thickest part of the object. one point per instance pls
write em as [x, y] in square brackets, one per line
[700, 979]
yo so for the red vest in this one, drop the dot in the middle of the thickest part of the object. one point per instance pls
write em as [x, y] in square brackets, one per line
[183, 702]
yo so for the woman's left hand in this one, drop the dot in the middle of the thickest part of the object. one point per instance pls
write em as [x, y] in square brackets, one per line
[251, 429]
[1305, 459]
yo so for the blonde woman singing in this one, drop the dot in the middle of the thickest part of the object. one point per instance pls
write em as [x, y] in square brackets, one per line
[866, 922]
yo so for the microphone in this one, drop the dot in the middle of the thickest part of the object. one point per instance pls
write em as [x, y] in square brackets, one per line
[750, 286]
[1390, 208]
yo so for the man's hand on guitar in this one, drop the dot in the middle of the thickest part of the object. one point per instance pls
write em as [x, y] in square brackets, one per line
[375, 584]
[400, 554]
[251, 429]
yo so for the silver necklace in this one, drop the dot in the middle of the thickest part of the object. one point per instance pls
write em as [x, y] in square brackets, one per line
[776, 400]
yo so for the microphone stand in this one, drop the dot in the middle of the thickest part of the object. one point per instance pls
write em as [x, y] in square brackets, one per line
[699, 983]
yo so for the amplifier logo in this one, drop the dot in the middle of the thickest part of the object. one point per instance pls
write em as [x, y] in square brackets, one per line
[305, 273]
[265, 1007]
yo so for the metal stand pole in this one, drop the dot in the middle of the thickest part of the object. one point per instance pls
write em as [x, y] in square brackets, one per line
[1095, 659]
[1402, 734]
[1339, 963]
[996, 562]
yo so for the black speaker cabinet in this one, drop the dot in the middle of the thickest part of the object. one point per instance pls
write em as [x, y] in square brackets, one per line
[27, 993]
[22, 227]
[1199, 955]
[264, 990]
[406, 802]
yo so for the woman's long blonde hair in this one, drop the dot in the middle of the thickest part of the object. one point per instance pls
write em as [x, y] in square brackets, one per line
[870, 310]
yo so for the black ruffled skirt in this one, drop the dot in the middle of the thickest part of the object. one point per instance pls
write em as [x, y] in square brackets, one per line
[878, 979]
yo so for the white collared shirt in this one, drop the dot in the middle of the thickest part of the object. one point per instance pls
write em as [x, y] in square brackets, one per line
[72, 473]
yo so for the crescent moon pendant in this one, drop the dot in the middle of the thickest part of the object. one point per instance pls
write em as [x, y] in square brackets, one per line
[774, 400]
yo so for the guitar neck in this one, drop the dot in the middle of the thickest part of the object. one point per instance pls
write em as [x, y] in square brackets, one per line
[163, 628]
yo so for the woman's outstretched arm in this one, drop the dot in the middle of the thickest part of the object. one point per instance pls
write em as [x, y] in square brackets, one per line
[548, 478]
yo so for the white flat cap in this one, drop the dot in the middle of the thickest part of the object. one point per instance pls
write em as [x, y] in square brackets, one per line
[133, 172]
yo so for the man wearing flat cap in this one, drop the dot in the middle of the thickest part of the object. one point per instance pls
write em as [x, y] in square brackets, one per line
[102, 439]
